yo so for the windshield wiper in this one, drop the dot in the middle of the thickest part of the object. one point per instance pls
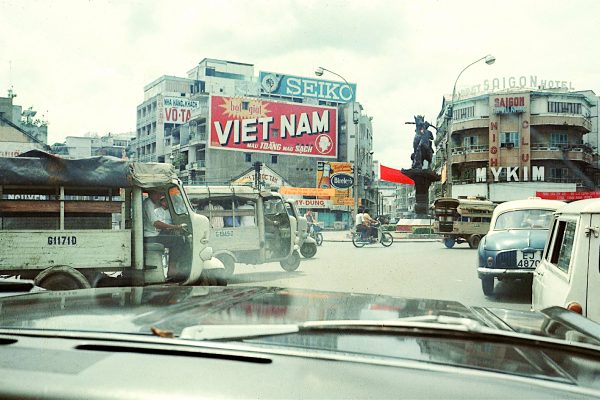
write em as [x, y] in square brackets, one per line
[222, 332]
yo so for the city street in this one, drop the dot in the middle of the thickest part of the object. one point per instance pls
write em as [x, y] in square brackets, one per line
[424, 269]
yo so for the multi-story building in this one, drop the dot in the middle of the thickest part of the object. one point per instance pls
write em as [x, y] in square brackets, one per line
[19, 131]
[512, 144]
[116, 145]
[173, 125]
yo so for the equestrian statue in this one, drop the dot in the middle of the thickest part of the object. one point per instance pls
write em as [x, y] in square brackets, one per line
[422, 144]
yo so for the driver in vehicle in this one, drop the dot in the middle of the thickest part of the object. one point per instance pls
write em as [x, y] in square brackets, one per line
[158, 228]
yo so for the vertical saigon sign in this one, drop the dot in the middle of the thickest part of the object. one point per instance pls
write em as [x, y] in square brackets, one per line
[509, 138]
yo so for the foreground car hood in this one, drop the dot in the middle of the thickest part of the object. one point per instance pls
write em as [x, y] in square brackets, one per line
[515, 239]
[173, 308]
[136, 310]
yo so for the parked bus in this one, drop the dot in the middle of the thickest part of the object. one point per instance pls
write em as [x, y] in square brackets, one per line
[462, 220]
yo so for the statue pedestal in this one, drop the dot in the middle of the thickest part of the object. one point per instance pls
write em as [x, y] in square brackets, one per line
[423, 179]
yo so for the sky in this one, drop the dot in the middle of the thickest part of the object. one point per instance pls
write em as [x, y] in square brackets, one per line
[83, 64]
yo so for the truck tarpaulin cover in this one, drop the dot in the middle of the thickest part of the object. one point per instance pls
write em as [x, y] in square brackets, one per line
[43, 169]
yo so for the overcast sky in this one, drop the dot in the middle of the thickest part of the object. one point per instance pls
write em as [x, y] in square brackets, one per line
[83, 64]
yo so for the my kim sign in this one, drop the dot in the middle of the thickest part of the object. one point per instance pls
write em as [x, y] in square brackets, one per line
[255, 125]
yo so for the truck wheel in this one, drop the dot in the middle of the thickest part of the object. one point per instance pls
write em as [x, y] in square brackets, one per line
[474, 241]
[61, 278]
[449, 243]
[291, 263]
[487, 285]
[308, 250]
[228, 263]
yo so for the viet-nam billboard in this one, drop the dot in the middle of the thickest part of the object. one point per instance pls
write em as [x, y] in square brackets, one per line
[256, 125]
[338, 176]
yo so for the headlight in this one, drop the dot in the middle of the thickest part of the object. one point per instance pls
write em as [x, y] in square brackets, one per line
[206, 253]
[490, 262]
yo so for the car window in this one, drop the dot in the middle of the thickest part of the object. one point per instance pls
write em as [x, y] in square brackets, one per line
[177, 201]
[458, 142]
[524, 219]
[548, 247]
[563, 245]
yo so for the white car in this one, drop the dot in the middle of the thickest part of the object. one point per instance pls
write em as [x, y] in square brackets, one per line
[569, 273]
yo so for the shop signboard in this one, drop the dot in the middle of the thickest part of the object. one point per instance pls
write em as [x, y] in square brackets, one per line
[178, 110]
[339, 176]
[299, 86]
[256, 125]
[13, 149]
[298, 191]
[313, 203]
[267, 177]
[568, 196]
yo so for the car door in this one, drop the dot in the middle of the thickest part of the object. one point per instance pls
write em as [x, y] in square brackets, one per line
[592, 304]
[538, 284]
[552, 276]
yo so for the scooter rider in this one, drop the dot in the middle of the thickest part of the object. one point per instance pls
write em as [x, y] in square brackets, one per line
[370, 223]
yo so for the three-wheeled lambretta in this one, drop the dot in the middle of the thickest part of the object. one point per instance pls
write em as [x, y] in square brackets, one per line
[70, 223]
[247, 225]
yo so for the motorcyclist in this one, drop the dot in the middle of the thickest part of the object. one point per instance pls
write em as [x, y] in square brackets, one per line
[371, 225]
[310, 219]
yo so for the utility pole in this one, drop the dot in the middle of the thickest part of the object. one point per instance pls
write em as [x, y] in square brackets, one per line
[257, 174]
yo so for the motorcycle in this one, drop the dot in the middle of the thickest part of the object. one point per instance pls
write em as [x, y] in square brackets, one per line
[360, 239]
[315, 233]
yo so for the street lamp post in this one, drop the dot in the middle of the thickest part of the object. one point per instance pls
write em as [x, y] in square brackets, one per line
[489, 60]
[319, 72]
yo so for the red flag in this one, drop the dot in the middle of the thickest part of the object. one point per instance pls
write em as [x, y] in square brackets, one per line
[394, 175]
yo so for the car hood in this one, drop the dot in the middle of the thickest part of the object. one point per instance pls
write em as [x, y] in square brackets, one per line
[515, 239]
[140, 310]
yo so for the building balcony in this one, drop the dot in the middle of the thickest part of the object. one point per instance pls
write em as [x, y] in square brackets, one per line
[578, 182]
[578, 121]
[472, 123]
[146, 119]
[147, 158]
[469, 154]
[196, 165]
[542, 151]
[199, 138]
[146, 139]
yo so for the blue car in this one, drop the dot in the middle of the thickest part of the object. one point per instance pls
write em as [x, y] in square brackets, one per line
[513, 246]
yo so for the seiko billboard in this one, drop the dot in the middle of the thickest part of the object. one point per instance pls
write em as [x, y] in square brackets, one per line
[297, 86]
